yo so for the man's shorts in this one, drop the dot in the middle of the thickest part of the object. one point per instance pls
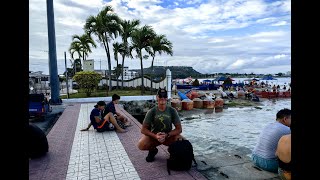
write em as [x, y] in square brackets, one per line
[105, 126]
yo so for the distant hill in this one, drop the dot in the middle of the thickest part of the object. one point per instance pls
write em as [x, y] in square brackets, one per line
[176, 71]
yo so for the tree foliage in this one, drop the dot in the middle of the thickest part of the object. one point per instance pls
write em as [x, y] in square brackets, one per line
[87, 80]
[106, 26]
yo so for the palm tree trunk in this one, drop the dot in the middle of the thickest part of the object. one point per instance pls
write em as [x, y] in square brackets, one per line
[122, 72]
[142, 75]
[117, 74]
[151, 75]
[109, 67]
[106, 49]
[82, 58]
[80, 62]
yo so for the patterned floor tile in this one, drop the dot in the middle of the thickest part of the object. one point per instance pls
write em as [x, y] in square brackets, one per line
[97, 155]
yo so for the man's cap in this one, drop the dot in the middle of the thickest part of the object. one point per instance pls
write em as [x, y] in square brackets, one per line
[162, 93]
[101, 103]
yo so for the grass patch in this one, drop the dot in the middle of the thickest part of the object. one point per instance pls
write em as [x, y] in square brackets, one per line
[103, 93]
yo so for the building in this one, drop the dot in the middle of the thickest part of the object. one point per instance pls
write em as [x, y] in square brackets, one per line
[128, 74]
[88, 65]
[38, 82]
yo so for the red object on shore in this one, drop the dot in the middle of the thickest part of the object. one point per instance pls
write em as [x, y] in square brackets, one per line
[218, 103]
[187, 105]
[273, 94]
[258, 93]
[194, 94]
[197, 103]
[208, 104]
[176, 103]
[265, 94]
[287, 94]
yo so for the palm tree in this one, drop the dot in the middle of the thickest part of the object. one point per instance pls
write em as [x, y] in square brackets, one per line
[105, 26]
[159, 44]
[75, 64]
[84, 43]
[116, 47]
[141, 39]
[125, 52]
[126, 30]
[75, 48]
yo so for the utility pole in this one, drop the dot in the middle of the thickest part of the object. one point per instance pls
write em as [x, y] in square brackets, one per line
[65, 63]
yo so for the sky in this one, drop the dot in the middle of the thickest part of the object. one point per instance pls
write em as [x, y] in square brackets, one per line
[212, 36]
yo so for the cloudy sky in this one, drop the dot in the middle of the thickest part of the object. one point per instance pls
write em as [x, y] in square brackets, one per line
[212, 36]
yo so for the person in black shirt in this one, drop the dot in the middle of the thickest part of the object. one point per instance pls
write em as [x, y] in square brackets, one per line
[112, 110]
[102, 122]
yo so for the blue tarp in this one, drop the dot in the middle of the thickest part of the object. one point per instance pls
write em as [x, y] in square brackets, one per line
[220, 78]
[268, 78]
[207, 80]
[182, 95]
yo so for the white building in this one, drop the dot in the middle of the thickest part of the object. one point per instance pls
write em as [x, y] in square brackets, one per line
[88, 65]
[128, 74]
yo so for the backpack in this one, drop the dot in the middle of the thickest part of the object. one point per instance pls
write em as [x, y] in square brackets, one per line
[181, 156]
[37, 142]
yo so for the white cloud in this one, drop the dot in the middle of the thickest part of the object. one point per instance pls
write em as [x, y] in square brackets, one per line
[216, 36]
[279, 56]
[280, 23]
[266, 20]
[268, 34]
[216, 40]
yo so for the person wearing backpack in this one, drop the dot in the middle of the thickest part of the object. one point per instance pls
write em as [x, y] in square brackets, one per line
[157, 126]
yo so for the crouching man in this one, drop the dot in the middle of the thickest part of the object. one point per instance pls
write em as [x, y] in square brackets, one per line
[157, 126]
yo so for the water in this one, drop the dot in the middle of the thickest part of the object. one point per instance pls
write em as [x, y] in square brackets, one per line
[232, 129]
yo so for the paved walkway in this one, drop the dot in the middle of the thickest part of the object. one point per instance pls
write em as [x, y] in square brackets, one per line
[91, 155]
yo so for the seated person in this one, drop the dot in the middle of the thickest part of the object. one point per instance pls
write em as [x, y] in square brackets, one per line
[248, 95]
[100, 123]
[230, 95]
[112, 110]
[263, 155]
[283, 153]
[255, 98]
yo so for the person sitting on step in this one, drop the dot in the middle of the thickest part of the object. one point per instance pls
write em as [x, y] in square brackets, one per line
[102, 123]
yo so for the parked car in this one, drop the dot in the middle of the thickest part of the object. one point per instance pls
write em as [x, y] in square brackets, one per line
[38, 105]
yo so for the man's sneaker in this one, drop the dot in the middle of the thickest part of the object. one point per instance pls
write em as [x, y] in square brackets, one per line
[151, 155]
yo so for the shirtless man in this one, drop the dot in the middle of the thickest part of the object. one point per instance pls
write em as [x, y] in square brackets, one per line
[283, 153]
